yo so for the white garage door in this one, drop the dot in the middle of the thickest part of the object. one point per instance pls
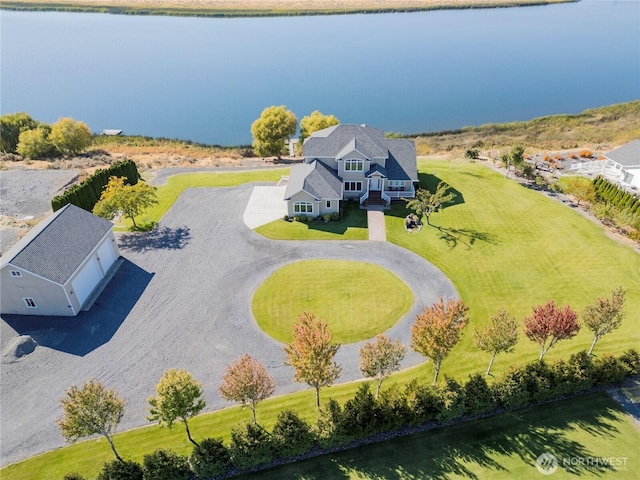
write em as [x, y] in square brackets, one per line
[106, 256]
[87, 280]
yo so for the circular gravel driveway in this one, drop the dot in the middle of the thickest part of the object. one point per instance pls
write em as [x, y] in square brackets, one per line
[182, 299]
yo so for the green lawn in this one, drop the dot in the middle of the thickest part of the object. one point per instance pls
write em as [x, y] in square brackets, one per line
[332, 290]
[176, 184]
[506, 246]
[502, 245]
[504, 446]
[352, 226]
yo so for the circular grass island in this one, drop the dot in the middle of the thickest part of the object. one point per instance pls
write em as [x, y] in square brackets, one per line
[357, 300]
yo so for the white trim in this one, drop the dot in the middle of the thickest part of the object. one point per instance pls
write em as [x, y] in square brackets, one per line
[300, 212]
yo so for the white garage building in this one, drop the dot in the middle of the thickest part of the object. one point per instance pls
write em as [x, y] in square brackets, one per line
[56, 267]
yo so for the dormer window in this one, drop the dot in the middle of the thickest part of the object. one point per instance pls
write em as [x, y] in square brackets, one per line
[353, 165]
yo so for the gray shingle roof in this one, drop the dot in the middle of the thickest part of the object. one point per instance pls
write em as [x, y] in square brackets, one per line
[627, 155]
[60, 245]
[341, 139]
[316, 179]
[332, 141]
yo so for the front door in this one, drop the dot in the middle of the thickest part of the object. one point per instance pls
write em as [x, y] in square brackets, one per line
[375, 183]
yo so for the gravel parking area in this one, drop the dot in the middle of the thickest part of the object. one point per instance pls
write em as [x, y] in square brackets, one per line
[181, 299]
[27, 194]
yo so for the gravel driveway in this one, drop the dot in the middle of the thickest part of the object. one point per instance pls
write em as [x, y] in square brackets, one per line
[181, 299]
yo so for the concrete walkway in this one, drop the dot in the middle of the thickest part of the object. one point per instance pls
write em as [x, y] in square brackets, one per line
[181, 299]
[265, 205]
[375, 223]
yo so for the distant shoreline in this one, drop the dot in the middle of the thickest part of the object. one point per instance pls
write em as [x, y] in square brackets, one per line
[260, 8]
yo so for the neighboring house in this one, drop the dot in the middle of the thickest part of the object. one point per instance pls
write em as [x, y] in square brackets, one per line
[56, 267]
[350, 161]
[625, 162]
[621, 165]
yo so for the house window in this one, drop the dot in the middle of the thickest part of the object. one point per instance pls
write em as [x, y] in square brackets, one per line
[303, 207]
[30, 302]
[15, 273]
[353, 165]
[396, 184]
[328, 203]
[352, 186]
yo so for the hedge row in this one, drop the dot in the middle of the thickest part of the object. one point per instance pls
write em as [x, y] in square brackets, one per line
[362, 419]
[609, 193]
[86, 194]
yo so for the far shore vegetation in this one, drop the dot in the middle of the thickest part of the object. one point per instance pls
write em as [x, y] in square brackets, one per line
[259, 8]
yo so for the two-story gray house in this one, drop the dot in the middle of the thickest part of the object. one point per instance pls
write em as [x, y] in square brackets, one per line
[350, 161]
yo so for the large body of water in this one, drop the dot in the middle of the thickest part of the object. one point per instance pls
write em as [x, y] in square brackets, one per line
[207, 79]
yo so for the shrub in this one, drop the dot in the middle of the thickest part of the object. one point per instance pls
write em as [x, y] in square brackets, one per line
[630, 361]
[291, 435]
[296, 218]
[335, 216]
[303, 218]
[166, 465]
[210, 458]
[328, 428]
[117, 470]
[251, 445]
[510, 391]
[361, 413]
[286, 218]
[585, 153]
[472, 153]
[423, 401]
[394, 411]
[450, 401]
[478, 397]
[538, 381]
[73, 476]
[608, 369]
[326, 217]
[310, 219]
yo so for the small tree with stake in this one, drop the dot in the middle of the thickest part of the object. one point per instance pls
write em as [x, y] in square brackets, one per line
[90, 410]
[425, 202]
[438, 329]
[549, 324]
[131, 200]
[311, 353]
[179, 398]
[604, 315]
[246, 381]
[498, 337]
[380, 358]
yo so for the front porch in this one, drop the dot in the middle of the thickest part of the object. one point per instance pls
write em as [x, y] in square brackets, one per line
[384, 197]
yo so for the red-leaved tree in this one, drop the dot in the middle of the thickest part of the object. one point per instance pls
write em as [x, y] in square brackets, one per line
[311, 353]
[438, 329]
[549, 324]
[247, 382]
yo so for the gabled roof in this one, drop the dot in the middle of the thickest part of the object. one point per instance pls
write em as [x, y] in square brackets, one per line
[376, 168]
[315, 178]
[57, 246]
[343, 138]
[627, 155]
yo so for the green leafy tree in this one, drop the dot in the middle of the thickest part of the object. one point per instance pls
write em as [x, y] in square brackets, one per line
[70, 137]
[438, 329]
[91, 410]
[117, 470]
[35, 143]
[314, 122]
[515, 158]
[581, 189]
[500, 336]
[425, 202]
[247, 381]
[311, 353]
[380, 358]
[11, 126]
[274, 126]
[604, 315]
[179, 397]
[210, 458]
[131, 200]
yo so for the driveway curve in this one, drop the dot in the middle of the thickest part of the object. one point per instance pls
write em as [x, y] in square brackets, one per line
[182, 299]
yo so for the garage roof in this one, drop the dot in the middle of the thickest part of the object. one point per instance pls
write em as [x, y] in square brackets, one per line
[57, 246]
